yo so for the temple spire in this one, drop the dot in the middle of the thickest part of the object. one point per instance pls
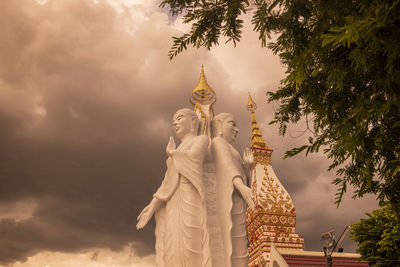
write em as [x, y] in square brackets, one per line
[202, 93]
[203, 99]
[272, 224]
[257, 140]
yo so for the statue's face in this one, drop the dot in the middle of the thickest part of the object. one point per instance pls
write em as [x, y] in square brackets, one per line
[229, 129]
[182, 124]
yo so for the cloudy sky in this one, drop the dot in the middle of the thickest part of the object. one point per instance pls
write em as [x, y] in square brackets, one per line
[87, 94]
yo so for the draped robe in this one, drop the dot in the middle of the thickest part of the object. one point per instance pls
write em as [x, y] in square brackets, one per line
[181, 233]
[231, 207]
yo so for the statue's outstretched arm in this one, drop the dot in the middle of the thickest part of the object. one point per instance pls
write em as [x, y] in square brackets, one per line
[222, 155]
[244, 190]
[146, 214]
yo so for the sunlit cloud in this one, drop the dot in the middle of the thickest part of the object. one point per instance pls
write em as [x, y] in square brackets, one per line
[42, 2]
[94, 258]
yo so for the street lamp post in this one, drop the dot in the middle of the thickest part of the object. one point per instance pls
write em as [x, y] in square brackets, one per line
[331, 245]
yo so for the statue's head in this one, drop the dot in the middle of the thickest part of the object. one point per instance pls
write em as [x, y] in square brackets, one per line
[185, 121]
[224, 125]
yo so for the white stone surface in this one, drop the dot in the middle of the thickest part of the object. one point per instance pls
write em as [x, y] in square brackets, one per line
[232, 190]
[201, 204]
[182, 238]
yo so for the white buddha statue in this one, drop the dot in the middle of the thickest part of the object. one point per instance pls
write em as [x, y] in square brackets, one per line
[233, 176]
[179, 205]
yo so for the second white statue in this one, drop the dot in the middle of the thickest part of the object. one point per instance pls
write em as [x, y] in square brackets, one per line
[233, 176]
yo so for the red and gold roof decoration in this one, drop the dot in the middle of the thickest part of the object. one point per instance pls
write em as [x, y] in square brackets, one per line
[274, 219]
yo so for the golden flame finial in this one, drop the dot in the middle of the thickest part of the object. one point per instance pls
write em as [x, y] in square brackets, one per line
[202, 93]
[257, 141]
[251, 106]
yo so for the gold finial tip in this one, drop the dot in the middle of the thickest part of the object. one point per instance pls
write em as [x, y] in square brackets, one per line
[202, 75]
[251, 105]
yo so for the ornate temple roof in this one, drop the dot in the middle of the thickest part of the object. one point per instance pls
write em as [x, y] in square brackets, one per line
[273, 221]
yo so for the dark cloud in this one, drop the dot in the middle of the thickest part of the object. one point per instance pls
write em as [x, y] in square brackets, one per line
[85, 117]
[85, 113]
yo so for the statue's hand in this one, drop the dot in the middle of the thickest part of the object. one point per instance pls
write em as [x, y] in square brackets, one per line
[247, 196]
[146, 214]
[171, 147]
[244, 191]
[248, 158]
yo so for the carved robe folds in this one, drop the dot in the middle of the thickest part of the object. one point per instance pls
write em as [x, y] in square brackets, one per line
[181, 231]
[231, 207]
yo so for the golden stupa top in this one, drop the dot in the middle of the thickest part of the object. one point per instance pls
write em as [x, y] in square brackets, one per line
[257, 140]
[202, 93]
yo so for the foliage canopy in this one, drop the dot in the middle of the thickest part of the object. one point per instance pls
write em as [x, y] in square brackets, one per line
[379, 237]
[342, 60]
